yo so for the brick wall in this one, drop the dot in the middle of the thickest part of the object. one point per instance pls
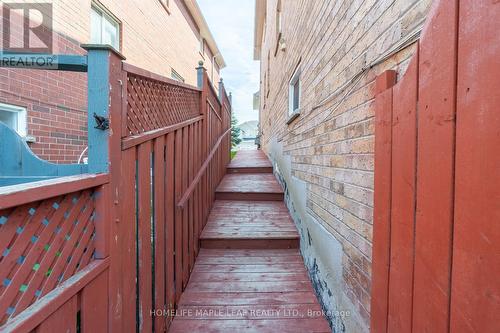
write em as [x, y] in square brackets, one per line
[56, 102]
[325, 156]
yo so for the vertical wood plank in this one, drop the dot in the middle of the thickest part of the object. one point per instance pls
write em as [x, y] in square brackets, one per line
[185, 217]
[170, 219]
[178, 214]
[62, 320]
[196, 191]
[404, 141]
[117, 103]
[94, 305]
[436, 145]
[129, 225]
[475, 295]
[382, 207]
[190, 206]
[160, 250]
[102, 216]
[144, 237]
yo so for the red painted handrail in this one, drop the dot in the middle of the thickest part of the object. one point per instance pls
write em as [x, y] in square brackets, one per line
[196, 179]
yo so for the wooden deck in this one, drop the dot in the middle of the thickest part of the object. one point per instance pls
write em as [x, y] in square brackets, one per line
[254, 186]
[250, 161]
[249, 224]
[249, 275]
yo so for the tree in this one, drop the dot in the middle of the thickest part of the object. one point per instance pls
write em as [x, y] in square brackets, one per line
[235, 131]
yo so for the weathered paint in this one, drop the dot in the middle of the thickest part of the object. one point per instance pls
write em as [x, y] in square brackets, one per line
[18, 164]
[322, 252]
[444, 264]
[59, 62]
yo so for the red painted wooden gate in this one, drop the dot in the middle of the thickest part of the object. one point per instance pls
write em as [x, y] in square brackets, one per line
[436, 247]
[174, 150]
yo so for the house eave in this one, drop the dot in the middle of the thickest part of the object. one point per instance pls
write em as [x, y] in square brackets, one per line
[260, 15]
[205, 33]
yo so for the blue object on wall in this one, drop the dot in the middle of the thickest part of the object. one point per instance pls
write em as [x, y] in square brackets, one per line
[19, 165]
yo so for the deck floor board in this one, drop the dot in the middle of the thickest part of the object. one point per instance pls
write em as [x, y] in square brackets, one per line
[250, 159]
[279, 298]
[249, 275]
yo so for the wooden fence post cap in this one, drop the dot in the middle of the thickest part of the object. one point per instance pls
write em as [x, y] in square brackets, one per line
[385, 80]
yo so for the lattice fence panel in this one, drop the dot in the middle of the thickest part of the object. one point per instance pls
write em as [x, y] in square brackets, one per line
[156, 104]
[42, 244]
[213, 100]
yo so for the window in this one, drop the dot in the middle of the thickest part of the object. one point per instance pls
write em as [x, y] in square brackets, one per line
[294, 93]
[14, 117]
[202, 46]
[268, 73]
[278, 27]
[176, 76]
[278, 19]
[104, 28]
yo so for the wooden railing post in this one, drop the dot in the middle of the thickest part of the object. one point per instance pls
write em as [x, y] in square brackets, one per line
[105, 80]
[203, 85]
[221, 91]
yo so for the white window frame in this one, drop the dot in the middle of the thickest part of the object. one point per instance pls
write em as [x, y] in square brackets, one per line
[202, 46]
[106, 15]
[22, 118]
[295, 79]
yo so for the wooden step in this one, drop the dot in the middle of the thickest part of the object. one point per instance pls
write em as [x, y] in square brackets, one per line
[249, 225]
[250, 161]
[256, 186]
[272, 280]
[231, 169]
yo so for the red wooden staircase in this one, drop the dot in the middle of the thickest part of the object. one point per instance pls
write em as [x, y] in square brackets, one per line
[249, 275]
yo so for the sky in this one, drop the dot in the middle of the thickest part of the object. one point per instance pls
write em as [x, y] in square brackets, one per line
[231, 23]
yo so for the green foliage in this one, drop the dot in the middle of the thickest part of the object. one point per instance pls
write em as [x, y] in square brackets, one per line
[235, 131]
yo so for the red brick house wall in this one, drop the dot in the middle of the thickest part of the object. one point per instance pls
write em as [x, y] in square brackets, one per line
[55, 102]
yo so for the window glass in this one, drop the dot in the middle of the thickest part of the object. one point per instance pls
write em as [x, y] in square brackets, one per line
[95, 27]
[104, 29]
[294, 93]
[110, 33]
[14, 117]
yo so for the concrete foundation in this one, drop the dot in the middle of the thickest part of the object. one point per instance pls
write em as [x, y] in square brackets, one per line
[321, 251]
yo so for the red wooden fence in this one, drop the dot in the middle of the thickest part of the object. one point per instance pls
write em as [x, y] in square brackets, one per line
[436, 254]
[170, 168]
[113, 252]
[48, 238]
